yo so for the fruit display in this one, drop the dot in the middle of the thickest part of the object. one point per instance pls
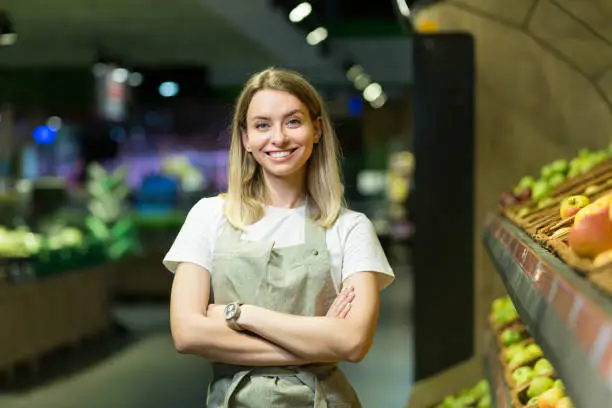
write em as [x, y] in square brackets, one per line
[568, 211]
[527, 372]
[477, 396]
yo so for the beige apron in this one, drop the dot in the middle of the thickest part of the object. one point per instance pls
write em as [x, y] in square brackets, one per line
[295, 280]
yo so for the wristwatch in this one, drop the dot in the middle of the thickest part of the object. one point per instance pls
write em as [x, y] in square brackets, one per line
[232, 313]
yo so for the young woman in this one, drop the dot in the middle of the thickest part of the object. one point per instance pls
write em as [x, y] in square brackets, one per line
[276, 281]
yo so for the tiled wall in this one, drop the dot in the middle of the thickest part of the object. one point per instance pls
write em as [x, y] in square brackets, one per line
[544, 91]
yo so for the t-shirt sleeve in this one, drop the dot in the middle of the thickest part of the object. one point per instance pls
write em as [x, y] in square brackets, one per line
[363, 251]
[196, 237]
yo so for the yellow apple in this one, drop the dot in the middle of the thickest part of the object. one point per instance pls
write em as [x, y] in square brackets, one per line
[550, 398]
[571, 205]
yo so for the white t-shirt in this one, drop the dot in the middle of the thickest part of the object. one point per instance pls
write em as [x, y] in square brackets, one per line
[352, 241]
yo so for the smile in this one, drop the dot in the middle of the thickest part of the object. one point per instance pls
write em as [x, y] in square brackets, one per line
[281, 154]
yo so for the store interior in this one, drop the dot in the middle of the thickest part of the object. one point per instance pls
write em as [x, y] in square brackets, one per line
[114, 122]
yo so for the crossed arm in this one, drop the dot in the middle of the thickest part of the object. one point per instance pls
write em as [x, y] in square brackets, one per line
[275, 339]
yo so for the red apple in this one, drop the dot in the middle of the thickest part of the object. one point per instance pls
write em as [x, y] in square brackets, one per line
[591, 234]
[571, 205]
[550, 398]
[601, 204]
[565, 402]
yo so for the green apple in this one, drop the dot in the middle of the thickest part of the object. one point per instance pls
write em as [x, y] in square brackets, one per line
[511, 336]
[526, 182]
[547, 172]
[588, 164]
[542, 366]
[560, 385]
[513, 350]
[485, 402]
[522, 375]
[520, 358]
[556, 179]
[539, 385]
[560, 166]
[534, 350]
[545, 202]
[540, 189]
[532, 401]
[481, 389]
[584, 153]
[499, 304]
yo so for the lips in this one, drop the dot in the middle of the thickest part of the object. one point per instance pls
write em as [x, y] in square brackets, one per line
[280, 154]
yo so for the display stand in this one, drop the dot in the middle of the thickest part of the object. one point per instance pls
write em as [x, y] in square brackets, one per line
[42, 315]
[569, 318]
[500, 393]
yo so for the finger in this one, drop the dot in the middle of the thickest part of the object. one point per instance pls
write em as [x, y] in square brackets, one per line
[337, 301]
[345, 310]
[346, 299]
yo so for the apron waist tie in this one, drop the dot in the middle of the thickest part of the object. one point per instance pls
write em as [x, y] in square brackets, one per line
[311, 375]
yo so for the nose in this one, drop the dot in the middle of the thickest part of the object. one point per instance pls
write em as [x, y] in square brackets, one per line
[278, 137]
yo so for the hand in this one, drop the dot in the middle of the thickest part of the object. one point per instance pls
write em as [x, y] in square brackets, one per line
[342, 304]
[215, 312]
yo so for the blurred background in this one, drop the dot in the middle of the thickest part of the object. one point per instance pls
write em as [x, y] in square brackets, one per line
[114, 121]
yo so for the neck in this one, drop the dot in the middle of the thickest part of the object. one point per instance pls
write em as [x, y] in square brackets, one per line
[285, 192]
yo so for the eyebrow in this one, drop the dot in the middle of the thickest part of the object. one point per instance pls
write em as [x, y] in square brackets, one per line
[290, 113]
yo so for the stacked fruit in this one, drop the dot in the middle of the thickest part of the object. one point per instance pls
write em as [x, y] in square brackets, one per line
[530, 376]
[551, 176]
[588, 227]
[477, 397]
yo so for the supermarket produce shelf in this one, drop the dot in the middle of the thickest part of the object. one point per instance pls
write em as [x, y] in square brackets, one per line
[568, 317]
[500, 393]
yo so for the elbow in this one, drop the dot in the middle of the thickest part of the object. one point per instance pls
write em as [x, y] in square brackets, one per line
[181, 344]
[358, 350]
[181, 337]
[357, 354]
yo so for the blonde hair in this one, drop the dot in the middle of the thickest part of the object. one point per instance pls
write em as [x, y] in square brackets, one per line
[245, 199]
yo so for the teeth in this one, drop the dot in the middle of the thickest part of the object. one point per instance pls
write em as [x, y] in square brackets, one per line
[280, 154]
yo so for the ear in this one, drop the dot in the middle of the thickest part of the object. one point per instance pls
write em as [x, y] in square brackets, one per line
[245, 141]
[318, 128]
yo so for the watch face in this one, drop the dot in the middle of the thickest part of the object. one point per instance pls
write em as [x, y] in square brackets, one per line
[230, 310]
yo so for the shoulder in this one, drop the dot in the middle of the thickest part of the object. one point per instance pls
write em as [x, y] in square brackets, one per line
[207, 208]
[349, 220]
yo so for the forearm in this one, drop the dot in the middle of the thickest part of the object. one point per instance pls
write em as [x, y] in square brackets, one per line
[320, 339]
[213, 340]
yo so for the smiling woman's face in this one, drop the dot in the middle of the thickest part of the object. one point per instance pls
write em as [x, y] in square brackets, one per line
[280, 134]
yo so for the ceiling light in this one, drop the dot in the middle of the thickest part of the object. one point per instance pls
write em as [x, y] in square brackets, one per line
[403, 8]
[300, 12]
[372, 92]
[135, 79]
[353, 72]
[168, 89]
[8, 35]
[54, 122]
[316, 36]
[362, 81]
[120, 75]
[379, 102]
